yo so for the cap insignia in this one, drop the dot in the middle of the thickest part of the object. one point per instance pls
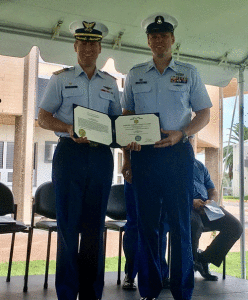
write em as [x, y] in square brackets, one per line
[159, 20]
[89, 26]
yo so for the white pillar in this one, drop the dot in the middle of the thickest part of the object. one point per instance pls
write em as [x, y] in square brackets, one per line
[24, 135]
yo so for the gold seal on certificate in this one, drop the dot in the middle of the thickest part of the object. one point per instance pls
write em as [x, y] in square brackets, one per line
[82, 132]
[116, 131]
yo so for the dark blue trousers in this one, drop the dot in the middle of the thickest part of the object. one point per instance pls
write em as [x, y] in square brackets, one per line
[163, 184]
[230, 230]
[82, 177]
[130, 238]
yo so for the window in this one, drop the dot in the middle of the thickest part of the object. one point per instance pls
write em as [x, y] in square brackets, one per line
[49, 151]
[118, 162]
[6, 162]
[1, 155]
[10, 155]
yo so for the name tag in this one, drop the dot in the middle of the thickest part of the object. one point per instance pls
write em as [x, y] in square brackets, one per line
[141, 82]
[71, 87]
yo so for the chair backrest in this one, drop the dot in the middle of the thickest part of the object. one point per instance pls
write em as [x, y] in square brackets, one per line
[44, 200]
[116, 208]
[6, 200]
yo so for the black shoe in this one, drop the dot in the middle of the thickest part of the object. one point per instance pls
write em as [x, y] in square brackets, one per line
[129, 284]
[202, 267]
[166, 283]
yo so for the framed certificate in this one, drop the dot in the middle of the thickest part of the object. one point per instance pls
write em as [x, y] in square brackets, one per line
[116, 131]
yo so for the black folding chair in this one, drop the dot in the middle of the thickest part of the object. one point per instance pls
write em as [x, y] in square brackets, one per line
[116, 210]
[9, 224]
[43, 205]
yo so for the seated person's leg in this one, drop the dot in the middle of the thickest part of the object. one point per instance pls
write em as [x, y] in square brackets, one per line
[230, 230]
[197, 228]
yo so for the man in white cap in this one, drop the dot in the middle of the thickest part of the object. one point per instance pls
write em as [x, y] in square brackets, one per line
[82, 171]
[162, 175]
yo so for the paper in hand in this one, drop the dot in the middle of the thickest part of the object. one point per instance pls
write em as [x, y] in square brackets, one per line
[213, 211]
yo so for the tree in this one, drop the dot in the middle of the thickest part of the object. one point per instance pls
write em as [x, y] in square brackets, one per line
[234, 139]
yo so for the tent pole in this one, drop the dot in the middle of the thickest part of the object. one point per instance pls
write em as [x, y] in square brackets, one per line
[241, 169]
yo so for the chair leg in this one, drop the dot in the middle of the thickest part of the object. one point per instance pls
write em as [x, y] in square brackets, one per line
[30, 237]
[169, 252]
[119, 259]
[224, 268]
[104, 248]
[11, 256]
[47, 258]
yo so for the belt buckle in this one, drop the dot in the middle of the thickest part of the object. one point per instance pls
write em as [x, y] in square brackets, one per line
[93, 144]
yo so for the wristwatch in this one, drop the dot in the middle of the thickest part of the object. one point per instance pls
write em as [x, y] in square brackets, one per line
[185, 137]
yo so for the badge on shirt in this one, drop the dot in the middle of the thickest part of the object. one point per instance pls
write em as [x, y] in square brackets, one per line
[141, 81]
[107, 89]
[179, 78]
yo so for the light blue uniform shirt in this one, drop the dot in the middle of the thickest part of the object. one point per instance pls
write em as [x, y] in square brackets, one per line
[174, 94]
[73, 87]
[202, 181]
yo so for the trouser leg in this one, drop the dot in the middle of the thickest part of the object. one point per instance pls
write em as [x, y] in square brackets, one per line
[130, 238]
[230, 230]
[197, 228]
[72, 176]
[179, 203]
[163, 177]
[91, 263]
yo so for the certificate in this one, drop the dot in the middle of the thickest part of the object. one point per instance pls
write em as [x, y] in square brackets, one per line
[96, 126]
[116, 131]
[143, 129]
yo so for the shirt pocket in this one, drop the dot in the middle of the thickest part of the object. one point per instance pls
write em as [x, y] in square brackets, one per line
[106, 96]
[141, 88]
[75, 92]
[72, 96]
[143, 98]
[180, 95]
[105, 101]
[178, 88]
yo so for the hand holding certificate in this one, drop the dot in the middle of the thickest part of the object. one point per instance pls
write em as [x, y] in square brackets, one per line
[116, 131]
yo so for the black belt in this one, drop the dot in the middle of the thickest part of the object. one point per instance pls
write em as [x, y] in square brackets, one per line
[90, 144]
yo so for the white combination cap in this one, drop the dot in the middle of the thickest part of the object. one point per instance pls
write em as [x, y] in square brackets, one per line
[88, 30]
[159, 22]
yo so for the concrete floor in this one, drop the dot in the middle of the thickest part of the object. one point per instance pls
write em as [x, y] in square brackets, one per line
[229, 289]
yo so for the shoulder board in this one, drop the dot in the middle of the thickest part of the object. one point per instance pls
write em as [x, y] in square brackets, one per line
[139, 65]
[106, 73]
[62, 70]
[185, 65]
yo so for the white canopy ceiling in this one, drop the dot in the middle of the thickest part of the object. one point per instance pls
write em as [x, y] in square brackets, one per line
[211, 34]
